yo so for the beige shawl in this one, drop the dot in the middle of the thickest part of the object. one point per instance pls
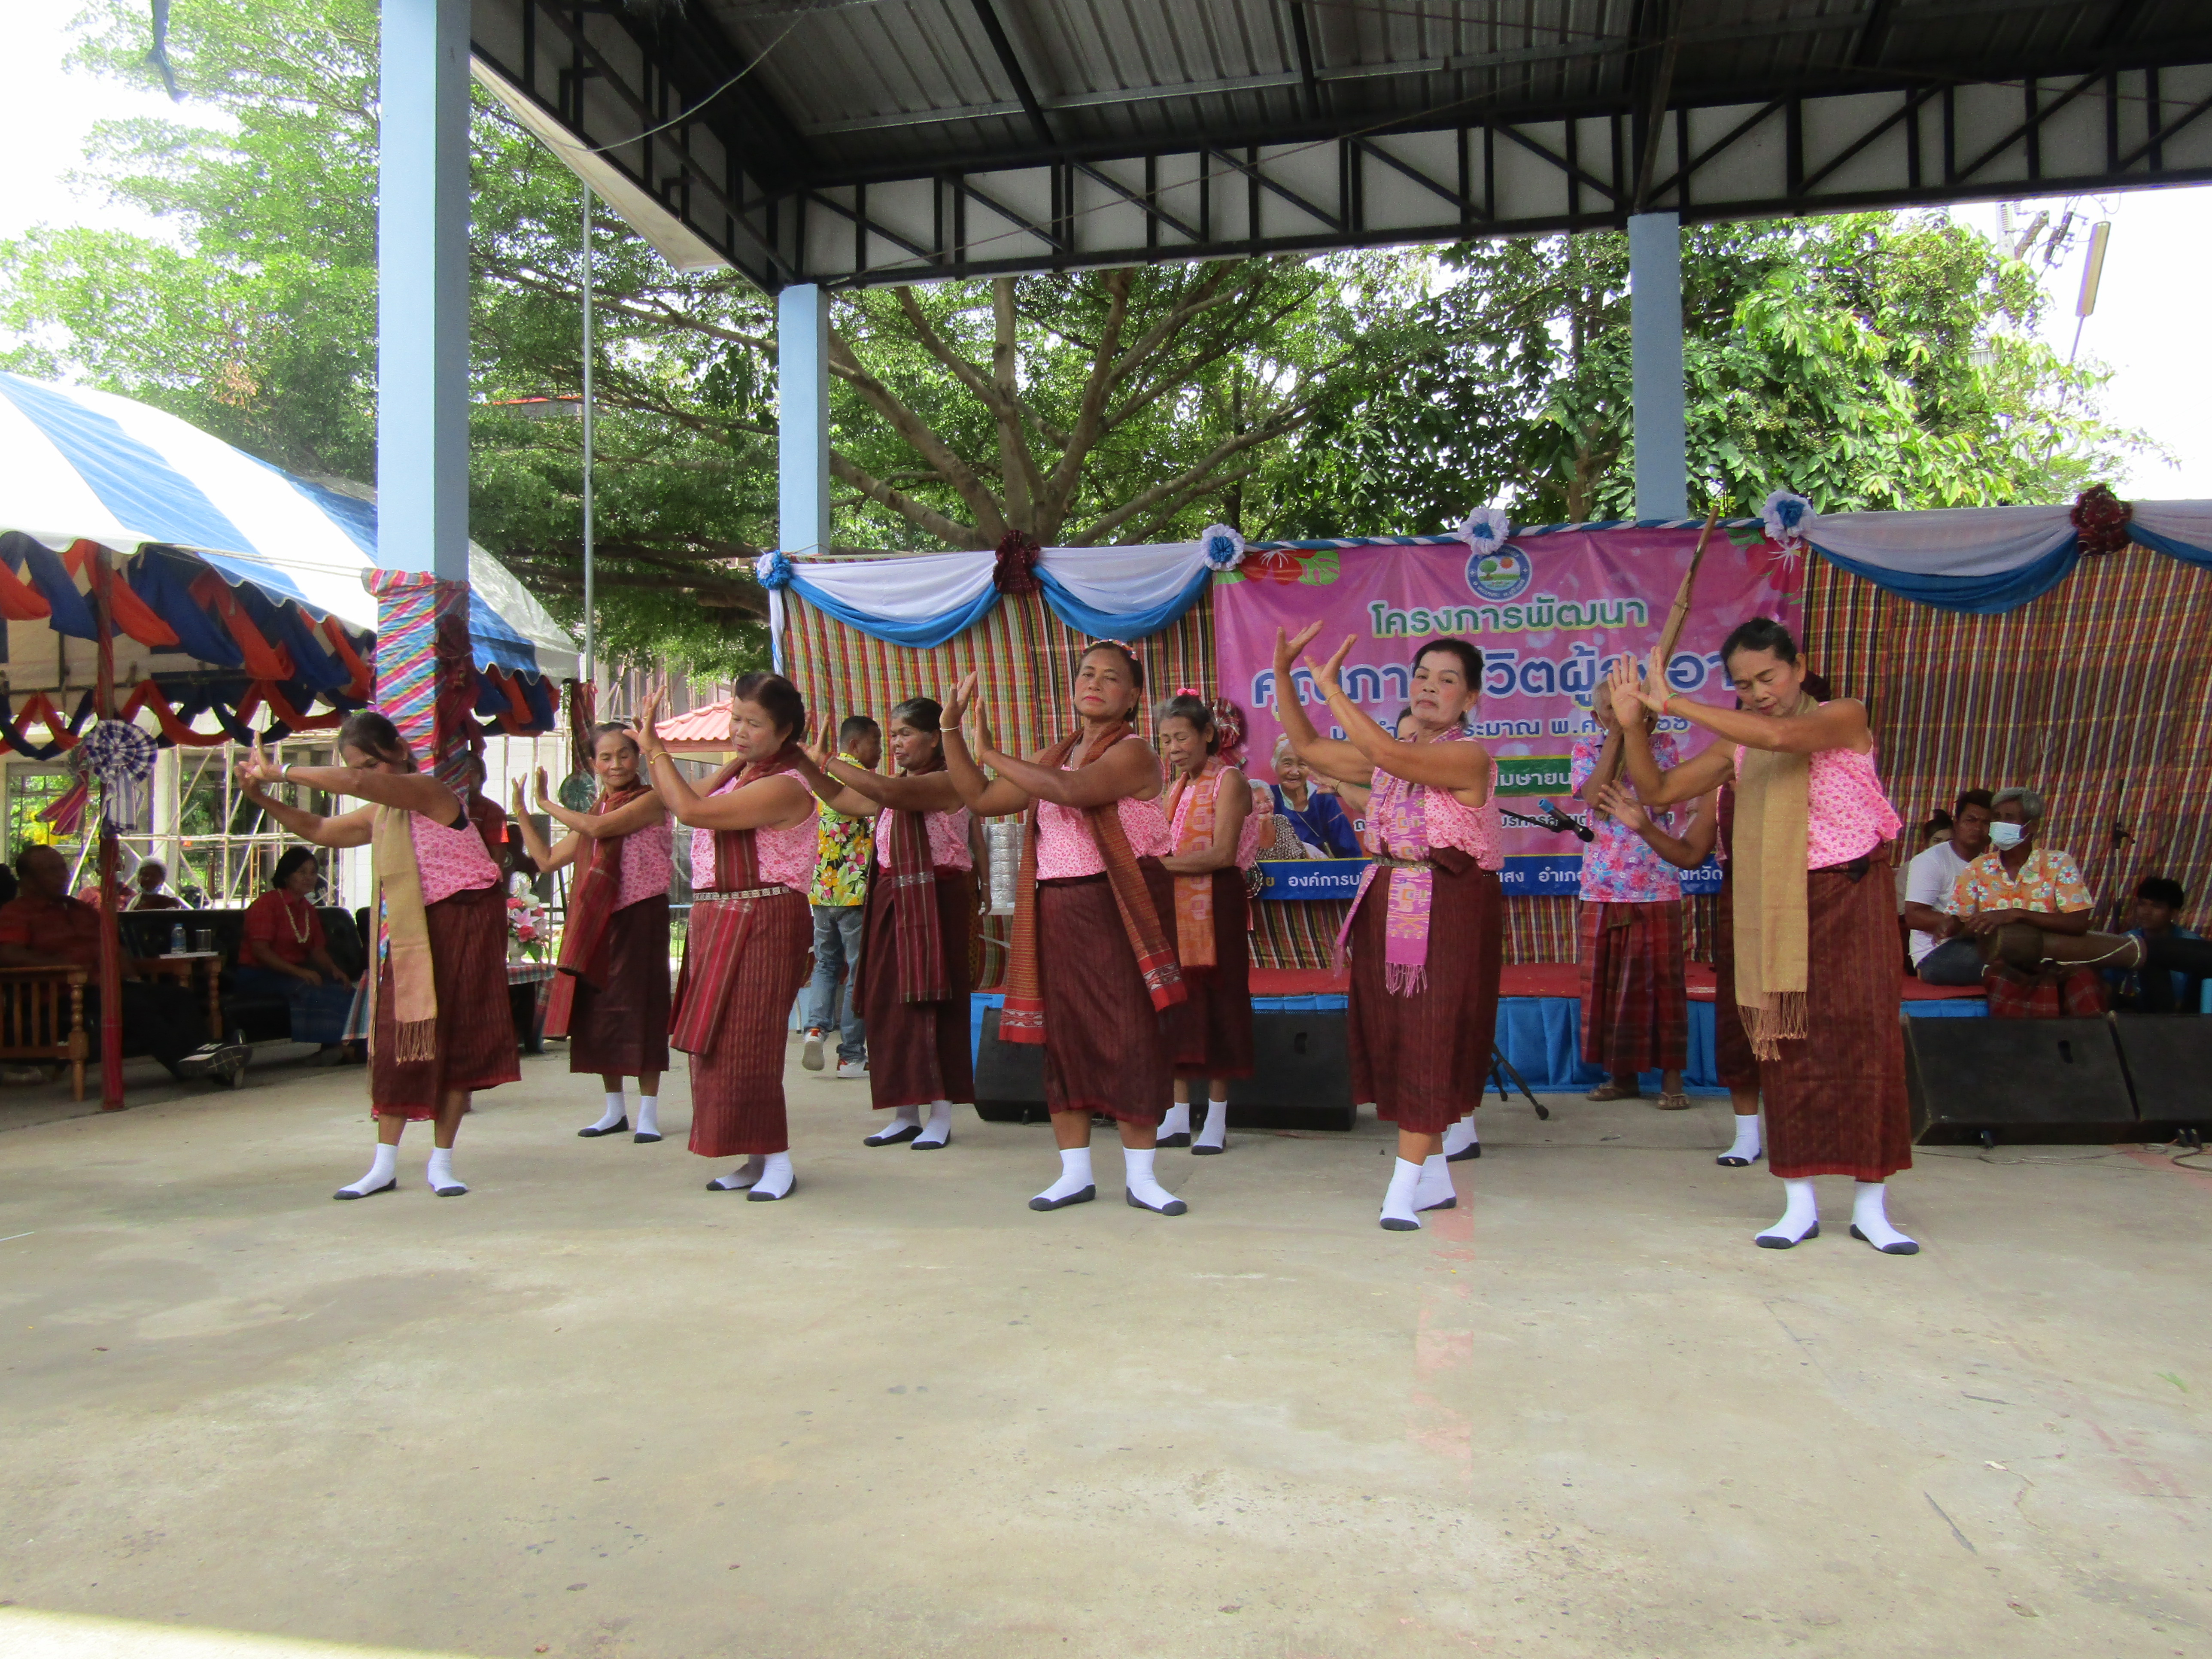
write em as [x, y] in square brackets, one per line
[1769, 882]
[407, 939]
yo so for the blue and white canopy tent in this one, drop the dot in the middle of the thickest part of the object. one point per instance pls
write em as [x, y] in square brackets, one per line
[241, 586]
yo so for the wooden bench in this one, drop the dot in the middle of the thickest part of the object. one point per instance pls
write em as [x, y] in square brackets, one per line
[42, 1018]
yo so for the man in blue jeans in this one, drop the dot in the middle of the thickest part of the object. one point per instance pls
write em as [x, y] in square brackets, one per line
[839, 896]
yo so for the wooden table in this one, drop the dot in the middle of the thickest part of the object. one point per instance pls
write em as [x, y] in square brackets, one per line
[184, 967]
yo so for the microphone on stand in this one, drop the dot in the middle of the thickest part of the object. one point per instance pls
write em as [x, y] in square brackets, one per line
[1564, 824]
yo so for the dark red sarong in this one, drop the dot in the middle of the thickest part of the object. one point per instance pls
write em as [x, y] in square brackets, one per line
[737, 1079]
[621, 1028]
[1733, 1060]
[476, 1046]
[918, 1052]
[2016, 996]
[1106, 1048]
[1210, 1032]
[1423, 1060]
[1635, 1014]
[1835, 1099]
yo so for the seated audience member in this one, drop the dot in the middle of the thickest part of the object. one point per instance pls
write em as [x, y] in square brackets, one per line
[1937, 828]
[1942, 952]
[154, 890]
[1315, 816]
[2157, 914]
[2017, 881]
[284, 954]
[44, 927]
[1276, 838]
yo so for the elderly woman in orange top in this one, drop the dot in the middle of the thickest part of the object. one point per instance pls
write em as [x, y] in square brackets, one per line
[2018, 881]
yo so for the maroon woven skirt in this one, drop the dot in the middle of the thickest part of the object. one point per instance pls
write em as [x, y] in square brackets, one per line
[1211, 1033]
[918, 1052]
[736, 1080]
[476, 1046]
[1635, 1015]
[1423, 1060]
[621, 1028]
[1835, 1098]
[1105, 1046]
[1732, 1056]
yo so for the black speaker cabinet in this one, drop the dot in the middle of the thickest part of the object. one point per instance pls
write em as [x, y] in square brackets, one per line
[2022, 1079]
[1009, 1078]
[2169, 1061]
[1301, 1078]
[1301, 1075]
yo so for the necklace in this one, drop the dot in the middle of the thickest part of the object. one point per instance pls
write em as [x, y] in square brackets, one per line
[300, 926]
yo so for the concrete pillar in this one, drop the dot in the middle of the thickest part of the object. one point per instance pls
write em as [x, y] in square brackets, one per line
[1655, 326]
[802, 399]
[423, 292]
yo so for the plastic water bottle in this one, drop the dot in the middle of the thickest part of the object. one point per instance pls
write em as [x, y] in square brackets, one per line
[177, 940]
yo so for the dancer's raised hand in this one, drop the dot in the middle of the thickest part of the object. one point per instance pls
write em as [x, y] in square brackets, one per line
[1627, 686]
[1325, 677]
[1288, 648]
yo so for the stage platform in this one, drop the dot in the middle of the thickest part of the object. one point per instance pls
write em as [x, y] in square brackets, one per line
[1540, 1017]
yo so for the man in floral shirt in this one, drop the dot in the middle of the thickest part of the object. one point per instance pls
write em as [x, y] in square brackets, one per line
[1635, 1016]
[2017, 880]
[839, 896]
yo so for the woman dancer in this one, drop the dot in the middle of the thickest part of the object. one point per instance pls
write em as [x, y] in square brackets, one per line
[1427, 927]
[753, 842]
[283, 954]
[439, 1025]
[1815, 919]
[609, 998]
[914, 976]
[1091, 881]
[1215, 837]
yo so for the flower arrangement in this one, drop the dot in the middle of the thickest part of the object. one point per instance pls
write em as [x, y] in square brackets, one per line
[772, 570]
[1787, 518]
[527, 926]
[1487, 529]
[2100, 518]
[1222, 546]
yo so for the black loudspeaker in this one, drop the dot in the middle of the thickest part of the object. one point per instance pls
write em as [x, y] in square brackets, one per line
[1009, 1078]
[2025, 1080]
[1301, 1075]
[2169, 1061]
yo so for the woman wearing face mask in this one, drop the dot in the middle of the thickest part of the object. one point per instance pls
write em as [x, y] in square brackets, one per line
[441, 1029]
[609, 998]
[914, 975]
[1093, 963]
[1427, 928]
[1815, 919]
[753, 844]
[1216, 839]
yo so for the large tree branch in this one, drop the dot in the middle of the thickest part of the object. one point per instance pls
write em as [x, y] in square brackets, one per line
[919, 515]
[990, 520]
[1090, 417]
[1191, 480]
[1018, 469]
[969, 374]
[1165, 515]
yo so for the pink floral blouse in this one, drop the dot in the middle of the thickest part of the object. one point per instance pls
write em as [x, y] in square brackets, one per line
[787, 856]
[1619, 865]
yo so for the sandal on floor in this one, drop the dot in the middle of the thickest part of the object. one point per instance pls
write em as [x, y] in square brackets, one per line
[1609, 1090]
[1674, 1102]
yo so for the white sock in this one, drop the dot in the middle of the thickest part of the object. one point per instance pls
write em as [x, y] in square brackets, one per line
[1435, 1190]
[1144, 1186]
[1870, 1220]
[902, 1117]
[1745, 1144]
[1398, 1202]
[1801, 1219]
[1216, 1131]
[775, 1176]
[649, 1114]
[380, 1170]
[1074, 1174]
[743, 1176]
[443, 1181]
[613, 1114]
[1177, 1121]
[939, 1130]
[1460, 1136]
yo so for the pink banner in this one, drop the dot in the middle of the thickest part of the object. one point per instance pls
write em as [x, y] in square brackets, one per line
[1550, 615]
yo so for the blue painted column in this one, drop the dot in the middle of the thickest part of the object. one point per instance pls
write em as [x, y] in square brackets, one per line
[423, 289]
[1655, 329]
[802, 408]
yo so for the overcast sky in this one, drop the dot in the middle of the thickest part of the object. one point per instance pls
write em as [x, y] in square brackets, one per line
[2150, 324]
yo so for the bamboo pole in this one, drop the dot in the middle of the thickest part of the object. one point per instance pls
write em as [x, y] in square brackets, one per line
[1671, 634]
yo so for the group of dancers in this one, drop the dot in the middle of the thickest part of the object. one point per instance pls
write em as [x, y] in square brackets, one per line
[1129, 960]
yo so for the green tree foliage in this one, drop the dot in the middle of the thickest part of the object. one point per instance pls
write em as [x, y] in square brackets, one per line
[1874, 360]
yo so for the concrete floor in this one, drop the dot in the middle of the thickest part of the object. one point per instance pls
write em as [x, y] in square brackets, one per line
[593, 1409]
